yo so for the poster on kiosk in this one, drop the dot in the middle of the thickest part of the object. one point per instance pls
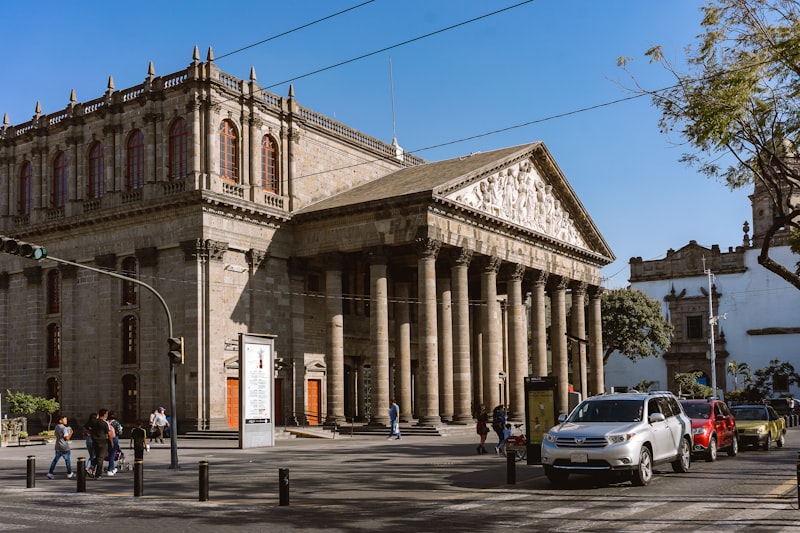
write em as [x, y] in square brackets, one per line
[540, 413]
[256, 405]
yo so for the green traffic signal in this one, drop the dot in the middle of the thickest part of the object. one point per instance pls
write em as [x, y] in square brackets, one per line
[21, 248]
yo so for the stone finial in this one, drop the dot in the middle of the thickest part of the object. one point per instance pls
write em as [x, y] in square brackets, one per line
[210, 55]
[746, 230]
[196, 54]
[72, 97]
[38, 110]
[151, 70]
[291, 90]
[252, 73]
[110, 82]
[5, 119]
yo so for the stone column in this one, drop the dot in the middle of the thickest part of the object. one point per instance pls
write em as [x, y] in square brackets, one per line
[558, 340]
[335, 338]
[462, 380]
[402, 350]
[379, 337]
[578, 331]
[490, 325]
[539, 325]
[597, 377]
[517, 344]
[445, 341]
[428, 383]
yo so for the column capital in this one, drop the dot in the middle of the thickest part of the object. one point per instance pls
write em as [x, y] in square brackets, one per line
[539, 278]
[514, 271]
[255, 258]
[460, 256]
[428, 247]
[578, 287]
[595, 291]
[557, 283]
[490, 264]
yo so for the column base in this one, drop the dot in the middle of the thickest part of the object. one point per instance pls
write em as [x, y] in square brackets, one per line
[463, 419]
[429, 420]
[379, 421]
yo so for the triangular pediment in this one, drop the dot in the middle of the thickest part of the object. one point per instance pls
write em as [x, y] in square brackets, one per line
[520, 194]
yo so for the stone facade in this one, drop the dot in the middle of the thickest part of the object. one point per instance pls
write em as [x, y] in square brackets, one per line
[382, 275]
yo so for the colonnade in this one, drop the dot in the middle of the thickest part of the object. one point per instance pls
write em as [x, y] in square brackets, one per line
[455, 371]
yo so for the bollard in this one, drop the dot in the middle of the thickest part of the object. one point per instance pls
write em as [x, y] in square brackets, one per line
[511, 467]
[31, 471]
[138, 478]
[283, 485]
[203, 481]
[81, 474]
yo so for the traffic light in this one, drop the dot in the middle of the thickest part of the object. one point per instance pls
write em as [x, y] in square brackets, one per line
[175, 350]
[21, 248]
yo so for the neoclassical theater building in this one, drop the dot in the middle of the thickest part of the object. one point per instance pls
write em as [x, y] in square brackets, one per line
[382, 276]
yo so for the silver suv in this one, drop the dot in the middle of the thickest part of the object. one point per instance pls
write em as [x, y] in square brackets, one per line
[626, 432]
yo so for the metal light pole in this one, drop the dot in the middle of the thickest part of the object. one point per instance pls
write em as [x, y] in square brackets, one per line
[173, 429]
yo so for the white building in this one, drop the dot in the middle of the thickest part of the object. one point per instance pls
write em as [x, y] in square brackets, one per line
[759, 312]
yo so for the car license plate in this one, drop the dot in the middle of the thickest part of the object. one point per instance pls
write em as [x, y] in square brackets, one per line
[579, 458]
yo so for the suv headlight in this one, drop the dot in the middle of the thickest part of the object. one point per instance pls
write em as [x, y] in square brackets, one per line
[549, 437]
[621, 437]
[699, 431]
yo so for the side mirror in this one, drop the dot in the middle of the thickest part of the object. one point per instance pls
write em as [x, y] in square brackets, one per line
[657, 417]
[562, 418]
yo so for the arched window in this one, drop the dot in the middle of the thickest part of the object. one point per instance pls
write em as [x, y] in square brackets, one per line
[178, 135]
[53, 291]
[269, 164]
[53, 346]
[95, 187]
[130, 393]
[228, 151]
[25, 193]
[134, 161]
[59, 193]
[130, 291]
[53, 389]
[129, 346]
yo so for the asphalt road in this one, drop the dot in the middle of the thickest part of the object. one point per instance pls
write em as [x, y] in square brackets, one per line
[372, 484]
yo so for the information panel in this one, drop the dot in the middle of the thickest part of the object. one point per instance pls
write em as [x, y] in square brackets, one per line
[540, 413]
[256, 405]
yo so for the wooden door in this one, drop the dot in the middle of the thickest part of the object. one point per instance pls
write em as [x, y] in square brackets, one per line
[314, 401]
[232, 409]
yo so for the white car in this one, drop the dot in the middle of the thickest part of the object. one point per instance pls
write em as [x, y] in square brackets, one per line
[625, 432]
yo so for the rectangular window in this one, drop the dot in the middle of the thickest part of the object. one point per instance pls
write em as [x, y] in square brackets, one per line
[694, 327]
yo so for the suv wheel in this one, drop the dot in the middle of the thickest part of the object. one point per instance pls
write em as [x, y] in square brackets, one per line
[644, 472]
[555, 476]
[734, 449]
[711, 453]
[684, 460]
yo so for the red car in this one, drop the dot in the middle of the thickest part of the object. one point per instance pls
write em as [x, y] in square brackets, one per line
[713, 427]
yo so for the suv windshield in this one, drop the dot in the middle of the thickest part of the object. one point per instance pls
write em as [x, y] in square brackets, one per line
[607, 411]
[697, 410]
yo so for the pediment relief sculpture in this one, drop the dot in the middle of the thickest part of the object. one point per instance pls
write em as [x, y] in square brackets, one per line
[520, 195]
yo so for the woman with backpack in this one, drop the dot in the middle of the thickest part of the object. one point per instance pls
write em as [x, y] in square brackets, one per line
[499, 426]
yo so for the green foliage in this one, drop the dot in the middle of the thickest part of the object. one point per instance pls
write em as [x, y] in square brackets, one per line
[633, 325]
[687, 385]
[20, 403]
[738, 105]
[644, 385]
[736, 370]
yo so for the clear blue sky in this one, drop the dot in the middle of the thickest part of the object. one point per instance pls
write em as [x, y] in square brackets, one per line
[526, 65]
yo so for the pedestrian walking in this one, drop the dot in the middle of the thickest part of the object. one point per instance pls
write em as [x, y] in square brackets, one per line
[394, 421]
[87, 435]
[159, 424]
[482, 428]
[498, 425]
[139, 441]
[100, 441]
[63, 434]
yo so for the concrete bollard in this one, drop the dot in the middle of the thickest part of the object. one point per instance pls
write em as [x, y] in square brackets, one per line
[203, 497]
[283, 485]
[138, 478]
[31, 471]
[511, 468]
[81, 474]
